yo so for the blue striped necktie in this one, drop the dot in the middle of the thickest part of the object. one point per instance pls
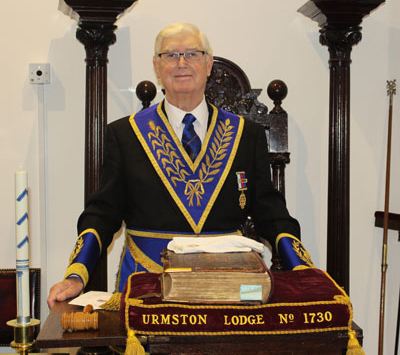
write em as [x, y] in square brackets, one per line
[190, 140]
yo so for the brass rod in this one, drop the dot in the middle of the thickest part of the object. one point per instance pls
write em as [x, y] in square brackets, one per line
[391, 90]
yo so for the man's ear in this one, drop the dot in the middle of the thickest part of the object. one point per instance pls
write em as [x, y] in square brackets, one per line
[155, 65]
[209, 65]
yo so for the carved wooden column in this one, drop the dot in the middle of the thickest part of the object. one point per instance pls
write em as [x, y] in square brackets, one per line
[340, 31]
[96, 32]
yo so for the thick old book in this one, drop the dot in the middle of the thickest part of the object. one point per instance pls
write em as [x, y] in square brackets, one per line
[223, 278]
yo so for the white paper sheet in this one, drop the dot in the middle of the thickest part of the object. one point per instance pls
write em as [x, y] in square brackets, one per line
[95, 298]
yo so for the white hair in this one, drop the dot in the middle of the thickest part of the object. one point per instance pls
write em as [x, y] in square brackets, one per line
[180, 27]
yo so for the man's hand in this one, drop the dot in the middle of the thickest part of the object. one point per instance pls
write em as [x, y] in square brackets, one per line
[65, 289]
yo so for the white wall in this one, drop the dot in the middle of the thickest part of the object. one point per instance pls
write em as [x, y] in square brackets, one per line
[268, 40]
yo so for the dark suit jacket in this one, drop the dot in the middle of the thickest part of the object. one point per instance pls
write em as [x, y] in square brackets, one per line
[131, 191]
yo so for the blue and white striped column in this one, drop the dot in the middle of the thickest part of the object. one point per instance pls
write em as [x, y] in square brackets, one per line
[22, 242]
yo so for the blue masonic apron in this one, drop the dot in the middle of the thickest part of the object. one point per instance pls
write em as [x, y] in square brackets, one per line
[193, 185]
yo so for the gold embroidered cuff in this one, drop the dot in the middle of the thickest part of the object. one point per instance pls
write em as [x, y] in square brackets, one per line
[80, 270]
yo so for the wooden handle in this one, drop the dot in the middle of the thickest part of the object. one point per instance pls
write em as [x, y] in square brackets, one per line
[88, 309]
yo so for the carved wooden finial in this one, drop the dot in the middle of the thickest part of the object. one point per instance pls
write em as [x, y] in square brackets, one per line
[80, 320]
[277, 91]
[146, 92]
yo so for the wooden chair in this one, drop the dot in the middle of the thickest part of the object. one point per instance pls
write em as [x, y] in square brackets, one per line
[8, 302]
[228, 87]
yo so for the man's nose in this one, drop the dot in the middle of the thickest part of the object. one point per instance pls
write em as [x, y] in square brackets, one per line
[182, 61]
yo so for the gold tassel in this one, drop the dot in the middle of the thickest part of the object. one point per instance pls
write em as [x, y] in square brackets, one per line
[113, 303]
[133, 345]
[353, 346]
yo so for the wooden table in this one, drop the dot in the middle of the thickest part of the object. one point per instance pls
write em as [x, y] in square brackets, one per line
[112, 333]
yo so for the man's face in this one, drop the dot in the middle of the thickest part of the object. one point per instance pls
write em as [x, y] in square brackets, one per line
[182, 78]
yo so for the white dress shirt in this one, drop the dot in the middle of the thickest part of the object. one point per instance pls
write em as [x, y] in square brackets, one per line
[175, 117]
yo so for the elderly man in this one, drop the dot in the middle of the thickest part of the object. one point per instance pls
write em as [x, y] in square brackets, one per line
[179, 168]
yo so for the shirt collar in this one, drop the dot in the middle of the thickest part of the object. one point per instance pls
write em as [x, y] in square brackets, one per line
[175, 115]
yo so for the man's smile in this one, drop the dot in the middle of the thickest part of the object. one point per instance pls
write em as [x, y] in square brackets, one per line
[183, 76]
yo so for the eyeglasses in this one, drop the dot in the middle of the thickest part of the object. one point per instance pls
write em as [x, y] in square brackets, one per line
[174, 57]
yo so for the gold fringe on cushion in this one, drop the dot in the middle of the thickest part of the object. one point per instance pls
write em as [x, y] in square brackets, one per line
[353, 346]
[113, 303]
[133, 345]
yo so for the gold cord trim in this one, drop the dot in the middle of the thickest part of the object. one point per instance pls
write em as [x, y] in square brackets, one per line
[353, 346]
[343, 299]
[271, 305]
[317, 330]
[127, 293]
[141, 257]
[133, 344]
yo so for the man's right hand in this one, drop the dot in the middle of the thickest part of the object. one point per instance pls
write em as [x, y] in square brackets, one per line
[63, 290]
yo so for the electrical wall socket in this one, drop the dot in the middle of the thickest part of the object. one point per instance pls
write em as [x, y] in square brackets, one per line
[39, 73]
